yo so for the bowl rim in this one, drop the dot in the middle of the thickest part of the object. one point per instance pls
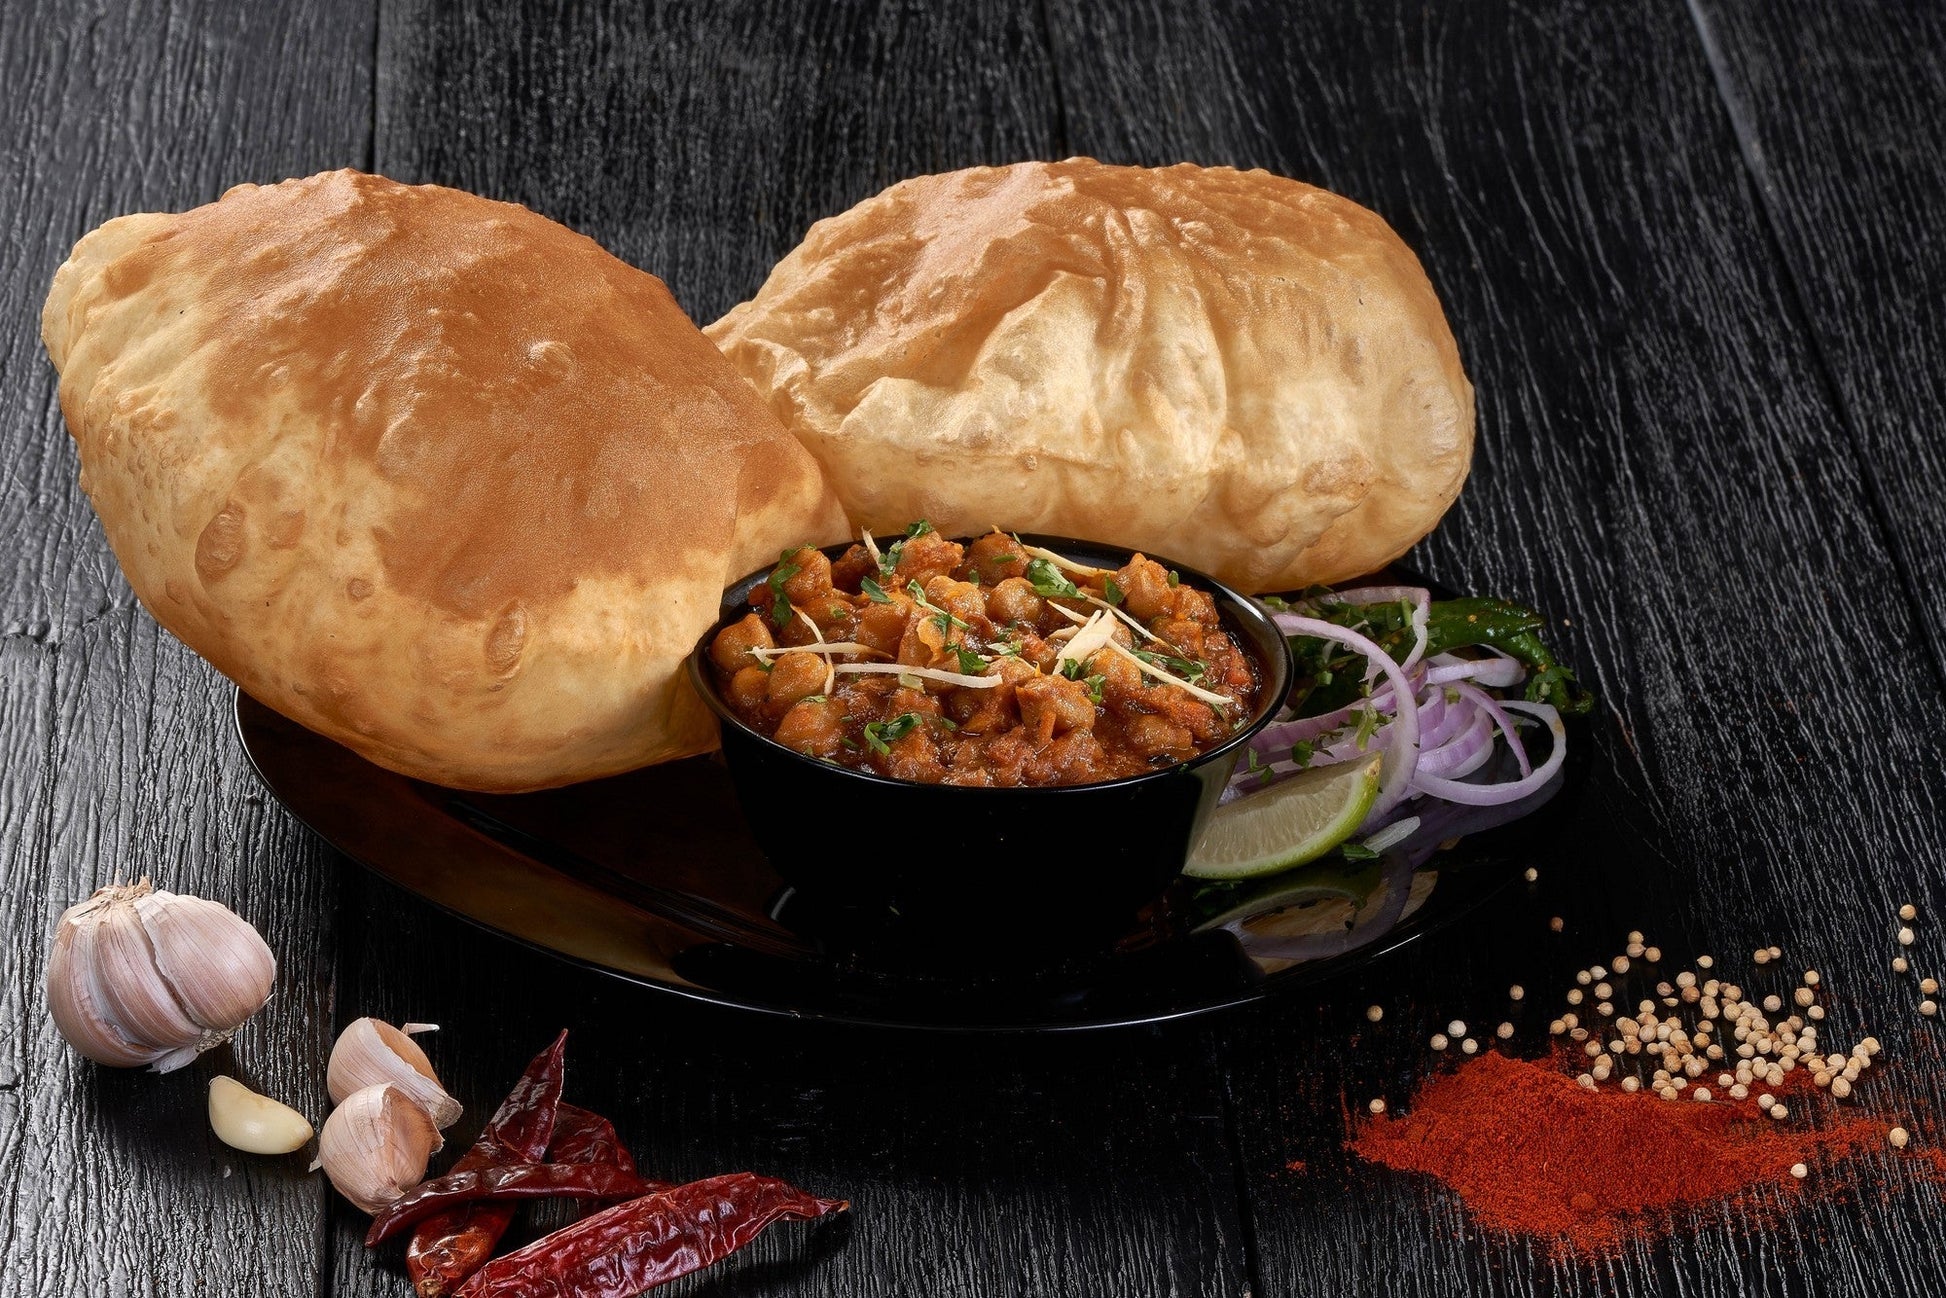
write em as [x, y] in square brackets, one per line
[1232, 604]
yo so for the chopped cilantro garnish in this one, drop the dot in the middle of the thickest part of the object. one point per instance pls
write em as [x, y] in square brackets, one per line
[1111, 591]
[1093, 685]
[1301, 753]
[1071, 669]
[874, 592]
[1005, 649]
[813, 698]
[941, 618]
[780, 604]
[1175, 578]
[850, 744]
[1048, 582]
[881, 735]
[1187, 669]
[1255, 766]
[918, 527]
[969, 662]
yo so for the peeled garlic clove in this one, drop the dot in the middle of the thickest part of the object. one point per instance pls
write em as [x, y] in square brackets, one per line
[253, 1123]
[375, 1145]
[219, 967]
[370, 1051]
[137, 976]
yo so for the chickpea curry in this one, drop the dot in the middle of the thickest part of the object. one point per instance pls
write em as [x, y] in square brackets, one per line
[991, 663]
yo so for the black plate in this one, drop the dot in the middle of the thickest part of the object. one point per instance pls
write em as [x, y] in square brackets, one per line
[652, 877]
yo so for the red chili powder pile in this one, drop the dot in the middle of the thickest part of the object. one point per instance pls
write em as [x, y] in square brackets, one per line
[1531, 1152]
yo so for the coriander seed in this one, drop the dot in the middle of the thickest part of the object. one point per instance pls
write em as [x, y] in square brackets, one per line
[1898, 1137]
[1374, 1013]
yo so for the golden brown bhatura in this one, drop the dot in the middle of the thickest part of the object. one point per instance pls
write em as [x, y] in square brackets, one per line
[1237, 369]
[431, 474]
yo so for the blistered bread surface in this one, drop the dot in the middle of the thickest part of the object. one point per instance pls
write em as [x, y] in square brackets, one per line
[431, 474]
[1246, 373]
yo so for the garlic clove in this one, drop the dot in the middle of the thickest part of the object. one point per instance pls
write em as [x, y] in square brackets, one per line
[253, 1123]
[218, 966]
[139, 999]
[74, 999]
[370, 1051]
[375, 1145]
[137, 976]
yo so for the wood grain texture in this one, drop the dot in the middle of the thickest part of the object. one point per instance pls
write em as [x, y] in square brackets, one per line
[698, 141]
[118, 751]
[1087, 1165]
[1839, 121]
[1660, 464]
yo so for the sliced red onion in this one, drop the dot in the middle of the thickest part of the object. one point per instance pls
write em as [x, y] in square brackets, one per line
[1484, 701]
[1396, 832]
[1490, 795]
[1451, 759]
[1403, 753]
[1496, 672]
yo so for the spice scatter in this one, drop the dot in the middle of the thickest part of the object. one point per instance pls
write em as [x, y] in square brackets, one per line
[1583, 1148]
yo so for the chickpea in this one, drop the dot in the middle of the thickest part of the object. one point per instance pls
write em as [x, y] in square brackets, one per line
[1155, 736]
[962, 599]
[881, 626]
[749, 688]
[1052, 705]
[730, 651]
[813, 727]
[996, 557]
[795, 676]
[1014, 600]
[924, 557]
[1145, 589]
[914, 757]
[812, 582]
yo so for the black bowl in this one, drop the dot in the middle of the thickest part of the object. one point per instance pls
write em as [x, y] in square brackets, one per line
[1030, 871]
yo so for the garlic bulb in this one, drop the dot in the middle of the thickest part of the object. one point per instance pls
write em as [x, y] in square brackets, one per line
[253, 1123]
[374, 1146]
[370, 1051]
[139, 976]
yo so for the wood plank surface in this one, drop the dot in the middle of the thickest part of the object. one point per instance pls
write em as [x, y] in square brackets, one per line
[1840, 118]
[1688, 254]
[117, 744]
[1659, 464]
[698, 142]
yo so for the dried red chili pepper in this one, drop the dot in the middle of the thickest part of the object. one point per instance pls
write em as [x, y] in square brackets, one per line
[503, 1182]
[447, 1248]
[634, 1246]
[584, 1137]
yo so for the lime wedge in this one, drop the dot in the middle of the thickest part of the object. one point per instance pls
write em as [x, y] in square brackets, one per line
[1287, 824]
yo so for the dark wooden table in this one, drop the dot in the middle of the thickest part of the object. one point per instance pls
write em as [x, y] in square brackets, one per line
[1693, 257]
